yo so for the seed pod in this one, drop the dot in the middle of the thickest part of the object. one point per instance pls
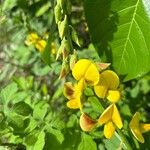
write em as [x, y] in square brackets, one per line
[73, 59]
[87, 123]
[74, 36]
[58, 13]
[62, 27]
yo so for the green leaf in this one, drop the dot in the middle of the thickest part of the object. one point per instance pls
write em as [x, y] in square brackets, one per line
[7, 93]
[87, 143]
[43, 9]
[72, 139]
[57, 133]
[114, 143]
[8, 4]
[46, 55]
[22, 108]
[15, 121]
[40, 110]
[88, 92]
[95, 102]
[35, 141]
[120, 31]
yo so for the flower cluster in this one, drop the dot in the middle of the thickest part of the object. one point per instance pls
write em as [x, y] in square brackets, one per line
[39, 43]
[106, 86]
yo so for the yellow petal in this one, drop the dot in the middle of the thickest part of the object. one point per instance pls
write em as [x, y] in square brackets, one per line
[40, 45]
[111, 78]
[73, 104]
[144, 127]
[109, 130]
[69, 90]
[116, 119]
[106, 115]
[134, 126]
[113, 96]
[135, 120]
[101, 88]
[92, 75]
[80, 68]
[81, 85]
[137, 134]
[84, 68]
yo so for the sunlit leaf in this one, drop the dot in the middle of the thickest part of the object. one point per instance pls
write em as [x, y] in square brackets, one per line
[120, 31]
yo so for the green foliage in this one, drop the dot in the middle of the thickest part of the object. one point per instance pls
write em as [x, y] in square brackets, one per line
[33, 112]
[87, 143]
[120, 32]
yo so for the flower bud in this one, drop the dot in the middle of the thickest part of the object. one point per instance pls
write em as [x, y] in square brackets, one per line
[103, 66]
[65, 69]
[66, 48]
[87, 123]
[62, 27]
[73, 59]
[74, 36]
[58, 13]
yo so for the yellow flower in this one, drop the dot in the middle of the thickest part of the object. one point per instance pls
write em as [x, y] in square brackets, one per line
[86, 70]
[111, 118]
[107, 86]
[138, 128]
[40, 45]
[32, 38]
[73, 93]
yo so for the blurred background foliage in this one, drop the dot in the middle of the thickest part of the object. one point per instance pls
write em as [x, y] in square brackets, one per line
[33, 113]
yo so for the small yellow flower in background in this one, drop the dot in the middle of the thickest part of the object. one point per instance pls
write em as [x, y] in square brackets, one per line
[86, 70]
[73, 93]
[53, 48]
[111, 118]
[138, 128]
[40, 45]
[32, 38]
[108, 86]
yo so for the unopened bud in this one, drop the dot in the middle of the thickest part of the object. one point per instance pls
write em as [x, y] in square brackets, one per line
[74, 36]
[66, 48]
[62, 27]
[103, 66]
[87, 123]
[73, 59]
[59, 52]
[58, 13]
[65, 69]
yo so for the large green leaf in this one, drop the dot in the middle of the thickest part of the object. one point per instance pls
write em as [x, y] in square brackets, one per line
[120, 30]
